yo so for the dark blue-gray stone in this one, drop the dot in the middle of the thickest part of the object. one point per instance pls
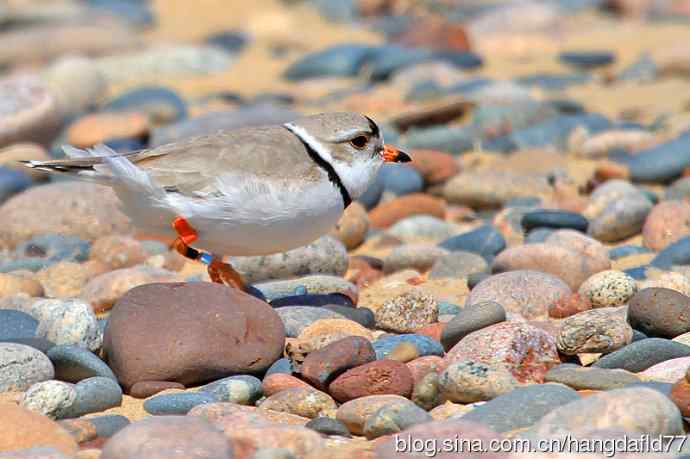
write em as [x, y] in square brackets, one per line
[231, 40]
[75, 363]
[125, 145]
[471, 318]
[281, 366]
[150, 99]
[242, 389]
[637, 273]
[558, 219]
[640, 355]
[401, 179]
[521, 407]
[179, 403]
[16, 324]
[638, 335]
[579, 378]
[363, 316]
[555, 131]
[627, 250]
[677, 253]
[344, 60]
[12, 182]
[538, 235]
[425, 345]
[94, 395]
[312, 299]
[135, 12]
[553, 82]
[328, 426]
[424, 91]
[587, 59]
[486, 240]
[662, 163]
[108, 425]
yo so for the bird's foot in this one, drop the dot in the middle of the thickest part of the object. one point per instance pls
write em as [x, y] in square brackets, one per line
[218, 271]
[223, 273]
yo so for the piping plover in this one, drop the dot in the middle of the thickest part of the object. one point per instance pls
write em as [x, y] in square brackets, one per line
[252, 191]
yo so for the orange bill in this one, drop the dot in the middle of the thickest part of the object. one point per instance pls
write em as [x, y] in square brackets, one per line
[393, 155]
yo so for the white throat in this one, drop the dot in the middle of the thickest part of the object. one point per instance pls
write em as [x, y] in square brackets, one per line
[355, 177]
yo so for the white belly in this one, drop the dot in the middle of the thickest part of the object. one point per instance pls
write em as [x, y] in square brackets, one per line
[249, 219]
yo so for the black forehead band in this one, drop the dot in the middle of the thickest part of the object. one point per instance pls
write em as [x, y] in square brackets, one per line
[373, 126]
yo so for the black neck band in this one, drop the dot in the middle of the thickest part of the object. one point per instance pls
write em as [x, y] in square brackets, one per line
[325, 165]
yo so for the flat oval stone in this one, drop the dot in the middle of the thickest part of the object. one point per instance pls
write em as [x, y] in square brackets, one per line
[146, 389]
[297, 318]
[420, 256]
[339, 60]
[22, 367]
[519, 408]
[669, 371]
[660, 312]
[387, 214]
[422, 226]
[425, 345]
[317, 284]
[623, 251]
[661, 163]
[589, 378]
[523, 292]
[468, 382]
[640, 355]
[159, 102]
[527, 351]
[602, 330]
[400, 179]
[546, 218]
[242, 389]
[486, 241]
[179, 403]
[16, 324]
[109, 424]
[93, 395]
[471, 318]
[621, 218]
[587, 59]
[665, 224]
[74, 363]
[363, 316]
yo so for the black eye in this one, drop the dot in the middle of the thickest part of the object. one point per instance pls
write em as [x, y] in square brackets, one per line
[359, 142]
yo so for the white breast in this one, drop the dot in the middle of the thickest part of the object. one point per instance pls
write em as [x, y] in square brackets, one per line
[252, 216]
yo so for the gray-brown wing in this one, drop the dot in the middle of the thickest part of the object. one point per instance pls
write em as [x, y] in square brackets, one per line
[192, 166]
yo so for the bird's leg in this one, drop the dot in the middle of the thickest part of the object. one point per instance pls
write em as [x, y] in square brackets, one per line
[218, 271]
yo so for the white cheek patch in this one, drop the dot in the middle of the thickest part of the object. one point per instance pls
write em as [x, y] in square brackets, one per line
[311, 141]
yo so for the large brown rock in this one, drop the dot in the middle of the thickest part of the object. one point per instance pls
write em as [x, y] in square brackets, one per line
[162, 437]
[21, 428]
[189, 333]
[79, 209]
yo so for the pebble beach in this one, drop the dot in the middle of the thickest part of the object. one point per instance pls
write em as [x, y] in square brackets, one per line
[520, 289]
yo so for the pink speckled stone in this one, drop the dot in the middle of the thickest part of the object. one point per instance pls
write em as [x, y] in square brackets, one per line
[529, 352]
